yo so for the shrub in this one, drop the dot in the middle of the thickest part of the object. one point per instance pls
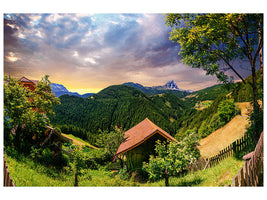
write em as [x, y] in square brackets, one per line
[209, 126]
[226, 110]
[172, 158]
[124, 174]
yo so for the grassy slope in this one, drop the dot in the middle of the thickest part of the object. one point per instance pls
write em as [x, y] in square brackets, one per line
[220, 175]
[25, 173]
[78, 141]
[221, 138]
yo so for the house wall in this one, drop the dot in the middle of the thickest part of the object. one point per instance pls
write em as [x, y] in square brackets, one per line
[31, 86]
[141, 153]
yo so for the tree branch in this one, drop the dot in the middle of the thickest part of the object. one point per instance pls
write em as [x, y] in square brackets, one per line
[240, 35]
[232, 68]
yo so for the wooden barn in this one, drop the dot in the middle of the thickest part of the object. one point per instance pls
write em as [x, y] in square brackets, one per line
[140, 143]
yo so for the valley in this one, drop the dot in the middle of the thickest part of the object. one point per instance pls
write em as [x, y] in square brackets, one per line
[133, 99]
[92, 123]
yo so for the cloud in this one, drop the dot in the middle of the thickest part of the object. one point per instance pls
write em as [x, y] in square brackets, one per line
[85, 50]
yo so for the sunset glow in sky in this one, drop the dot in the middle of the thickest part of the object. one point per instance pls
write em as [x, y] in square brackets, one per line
[88, 52]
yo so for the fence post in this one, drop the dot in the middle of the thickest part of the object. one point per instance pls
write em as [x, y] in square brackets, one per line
[234, 147]
[241, 177]
[246, 175]
[235, 181]
[7, 180]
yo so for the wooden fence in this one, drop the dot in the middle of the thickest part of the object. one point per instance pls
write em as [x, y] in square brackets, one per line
[7, 178]
[251, 174]
[234, 148]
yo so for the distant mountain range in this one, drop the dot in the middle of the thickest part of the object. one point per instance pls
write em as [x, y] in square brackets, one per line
[60, 90]
[169, 87]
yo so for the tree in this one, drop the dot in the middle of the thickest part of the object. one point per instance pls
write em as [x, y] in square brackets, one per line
[214, 42]
[226, 110]
[78, 163]
[172, 158]
[25, 111]
[111, 142]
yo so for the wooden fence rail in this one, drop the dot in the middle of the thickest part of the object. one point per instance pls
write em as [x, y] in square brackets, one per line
[251, 174]
[234, 148]
[7, 178]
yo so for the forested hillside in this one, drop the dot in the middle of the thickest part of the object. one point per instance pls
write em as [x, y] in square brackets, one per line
[120, 106]
[124, 106]
[206, 121]
[209, 93]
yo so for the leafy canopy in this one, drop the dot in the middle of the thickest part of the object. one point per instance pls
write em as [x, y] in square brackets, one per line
[25, 110]
[172, 158]
[226, 110]
[212, 41]
[111, 141]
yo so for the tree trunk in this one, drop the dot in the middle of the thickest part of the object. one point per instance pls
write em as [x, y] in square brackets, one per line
[166, 178]
[261, 64]
[261, 70]
[76, 179]
[18, 135]
[256, 123]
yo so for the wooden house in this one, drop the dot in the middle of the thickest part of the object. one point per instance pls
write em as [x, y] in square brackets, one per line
[140, 143]
[31, 84]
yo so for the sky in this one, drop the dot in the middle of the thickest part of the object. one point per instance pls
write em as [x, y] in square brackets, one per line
[89, 52]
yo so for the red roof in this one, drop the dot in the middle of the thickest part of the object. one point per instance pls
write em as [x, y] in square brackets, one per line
[139, 134]
[24, 79]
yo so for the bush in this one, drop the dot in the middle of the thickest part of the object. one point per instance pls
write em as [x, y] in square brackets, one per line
[58, 161]
[124, 174]
[226, 110]
[209, 126]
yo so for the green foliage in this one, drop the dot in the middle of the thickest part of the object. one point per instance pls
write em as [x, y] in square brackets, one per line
[43, 98]
[110, 142]
[124, 174]
[78, 132]
[214, 41]
[25, 111]
[210, 125]
[172, 158]
[203, 104]
[244, 93]
[25, 172]
[156, 90]
[226, 110]
[78, 163]
[120, 106]
[16, 102]
[196, 119]
[219, 175]
[210, 93]
[208, 39]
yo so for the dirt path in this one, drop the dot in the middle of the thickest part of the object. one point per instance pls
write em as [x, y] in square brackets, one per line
[75, 142]
[221, 138]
